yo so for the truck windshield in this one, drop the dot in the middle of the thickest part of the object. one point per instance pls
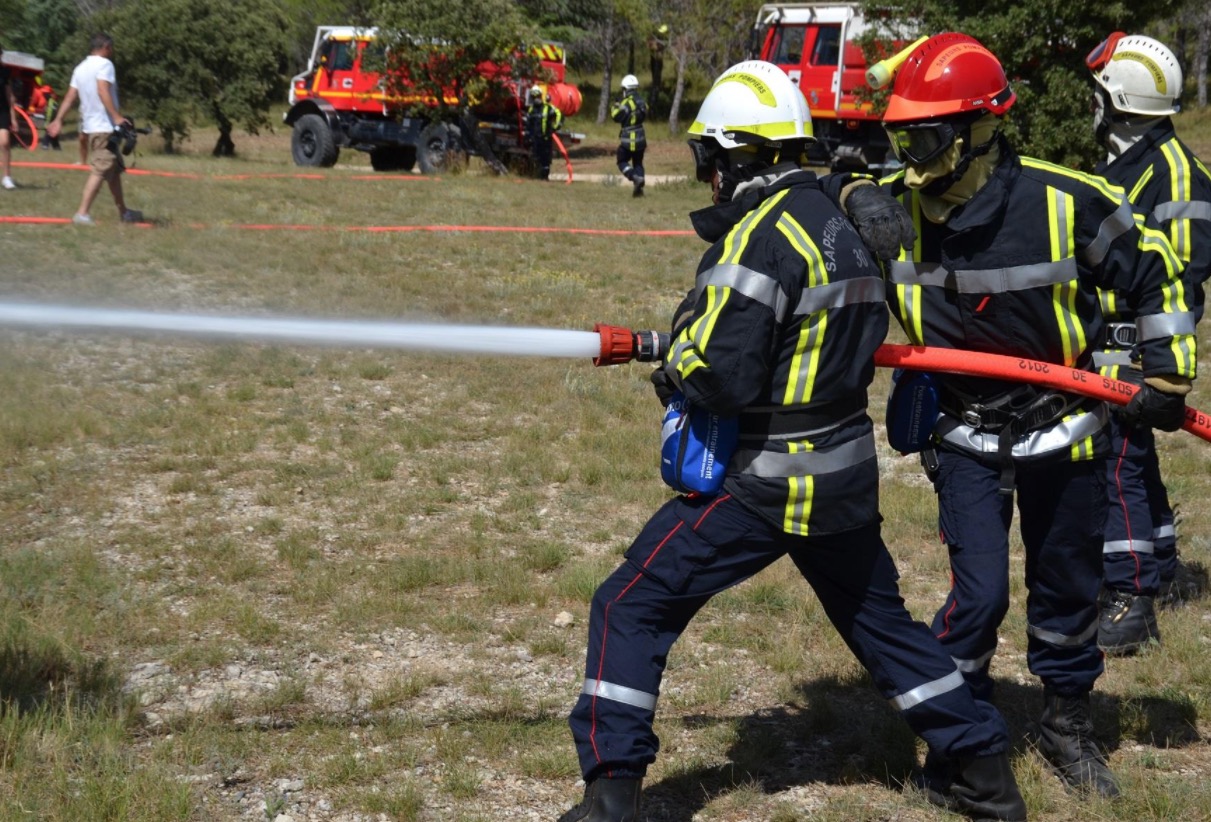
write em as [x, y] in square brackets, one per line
[786, 46]
[827, 50]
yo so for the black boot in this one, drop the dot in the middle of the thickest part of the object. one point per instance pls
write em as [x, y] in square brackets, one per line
[981, 788]
[607, 800]
[1066, 741]
[936, 774]
[1126, 623]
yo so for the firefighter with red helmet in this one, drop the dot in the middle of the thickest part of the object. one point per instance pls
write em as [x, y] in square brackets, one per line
[779, 334]
[1137, 83]
[1009, 256]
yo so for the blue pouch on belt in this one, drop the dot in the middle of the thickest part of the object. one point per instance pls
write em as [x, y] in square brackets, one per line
[912, 410]
[695, 447]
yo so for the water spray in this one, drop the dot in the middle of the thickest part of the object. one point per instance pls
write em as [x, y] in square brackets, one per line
[605, 344]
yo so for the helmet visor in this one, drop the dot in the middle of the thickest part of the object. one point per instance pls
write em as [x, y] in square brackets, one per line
[920, 143]
[1103, 51]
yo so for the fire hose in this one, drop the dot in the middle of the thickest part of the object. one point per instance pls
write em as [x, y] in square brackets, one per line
[566, 159]
[619, 345]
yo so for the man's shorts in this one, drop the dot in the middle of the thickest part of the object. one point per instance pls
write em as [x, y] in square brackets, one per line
[105, 162]
[6, 117]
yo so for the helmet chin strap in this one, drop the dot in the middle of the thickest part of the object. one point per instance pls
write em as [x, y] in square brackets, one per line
[940, 186]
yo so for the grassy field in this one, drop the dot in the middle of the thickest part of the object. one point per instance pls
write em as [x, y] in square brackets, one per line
[254, 582]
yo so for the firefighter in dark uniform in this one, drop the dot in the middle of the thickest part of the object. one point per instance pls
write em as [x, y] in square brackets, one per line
[1137, 84]
[542, 121]
[1009, 256]
[780, 329]
[630, 112]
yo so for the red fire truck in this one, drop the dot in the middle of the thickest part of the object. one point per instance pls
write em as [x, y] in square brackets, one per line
[814, 43]
[341, 102]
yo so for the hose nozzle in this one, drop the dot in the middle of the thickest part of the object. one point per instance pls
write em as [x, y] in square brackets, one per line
[882, 72]
[619, 345]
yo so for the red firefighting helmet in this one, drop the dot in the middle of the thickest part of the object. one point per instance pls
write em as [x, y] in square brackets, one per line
[946, 75]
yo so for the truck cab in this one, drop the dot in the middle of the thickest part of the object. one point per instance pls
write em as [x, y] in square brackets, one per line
[814, 43]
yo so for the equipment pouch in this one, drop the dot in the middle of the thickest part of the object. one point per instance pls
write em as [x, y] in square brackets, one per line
[695, 447]
[912, 410]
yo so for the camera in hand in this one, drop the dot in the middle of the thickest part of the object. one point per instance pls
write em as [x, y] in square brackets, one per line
[125, 137]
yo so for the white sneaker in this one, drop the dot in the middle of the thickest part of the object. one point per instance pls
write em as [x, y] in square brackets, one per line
[8, 183]
[82, 219]
[132, 216]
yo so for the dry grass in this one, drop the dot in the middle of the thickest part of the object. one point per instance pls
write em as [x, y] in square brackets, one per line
[240, 580]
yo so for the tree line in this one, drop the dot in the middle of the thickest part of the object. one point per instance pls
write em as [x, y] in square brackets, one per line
[228, 62]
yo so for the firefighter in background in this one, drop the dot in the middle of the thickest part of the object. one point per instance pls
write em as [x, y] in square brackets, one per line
[1010, 254]
[630, 112]
[658, 42]
[1137, 84]
[542, 121]
[780, 329]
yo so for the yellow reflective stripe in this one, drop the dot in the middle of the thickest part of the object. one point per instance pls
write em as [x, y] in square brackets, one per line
[1139, 186]
[1103, 185]
[1155, 241]
[1109, 301]
[916, 224]
[737, 239]
[800, 383]
[1180, 191]
[1061, 227]
[910, 298]
[699, 332]
[799, 496]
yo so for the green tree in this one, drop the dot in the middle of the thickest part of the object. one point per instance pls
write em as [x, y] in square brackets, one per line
[1042, 45]
[180, 62]
[436, 52]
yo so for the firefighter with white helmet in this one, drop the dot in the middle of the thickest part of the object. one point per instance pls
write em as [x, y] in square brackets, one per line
[542, 121]
[1010, 255]
[778, 335]
[1137, 86]
[630, 112]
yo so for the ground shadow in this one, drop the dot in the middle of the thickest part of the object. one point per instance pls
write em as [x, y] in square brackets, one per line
[840, 732]
[38, 674]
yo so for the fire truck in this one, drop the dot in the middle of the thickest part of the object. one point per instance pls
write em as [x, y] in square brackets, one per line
[814, 43]
[342, 101]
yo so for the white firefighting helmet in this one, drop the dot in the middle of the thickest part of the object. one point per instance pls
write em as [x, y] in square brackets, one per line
[753, 103]
[630, 82]
[535, 94]
[1140, 75]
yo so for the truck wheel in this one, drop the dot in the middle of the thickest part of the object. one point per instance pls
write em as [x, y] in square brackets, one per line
[393, 159]
[432, 148]
[311, 143]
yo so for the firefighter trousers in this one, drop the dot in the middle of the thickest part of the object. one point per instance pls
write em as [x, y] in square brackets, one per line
[1062, 506]
[694, 548]
[1141, 545]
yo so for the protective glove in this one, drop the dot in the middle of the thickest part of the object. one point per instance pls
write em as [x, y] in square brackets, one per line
[882, 221]
[1154, 408]
[663, 384]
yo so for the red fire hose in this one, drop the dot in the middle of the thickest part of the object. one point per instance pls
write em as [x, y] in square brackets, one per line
[567, 160]
[619, 345]
[997, 366]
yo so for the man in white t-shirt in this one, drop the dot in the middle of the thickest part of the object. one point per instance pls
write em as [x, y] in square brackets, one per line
[95, 84]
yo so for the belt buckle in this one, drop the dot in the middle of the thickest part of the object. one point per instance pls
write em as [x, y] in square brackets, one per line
[1122, 334]
[971, 417]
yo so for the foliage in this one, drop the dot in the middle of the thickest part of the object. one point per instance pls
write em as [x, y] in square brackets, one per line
[46, 29]
[184, 61]
[418, 35]
[1042, 45]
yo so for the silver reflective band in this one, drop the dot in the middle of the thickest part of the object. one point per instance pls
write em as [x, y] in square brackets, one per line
[752, 284]
[1035, 443]
[970, 666]
[1105, 359]
[803, 463]
[619, 693]
[841, 294]
[985, 281]
[1113, 227]
[1182, 210]
[929, 690]
[1063, 640]
[1156, 326]
[1164, 531]
[1127, 546]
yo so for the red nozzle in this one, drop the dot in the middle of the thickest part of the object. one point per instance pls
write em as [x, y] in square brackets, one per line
[617, 345]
